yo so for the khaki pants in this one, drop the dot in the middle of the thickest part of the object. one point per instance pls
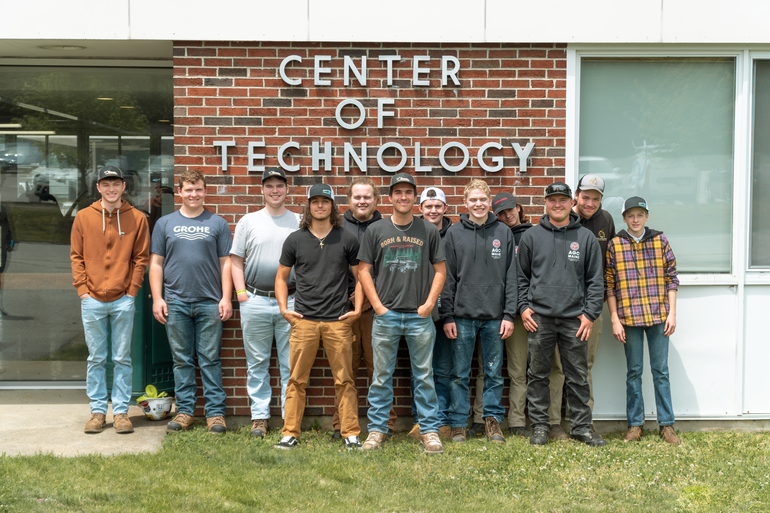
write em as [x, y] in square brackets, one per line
[362, 350]
[516, 352]
[557, 376]
[304, 342]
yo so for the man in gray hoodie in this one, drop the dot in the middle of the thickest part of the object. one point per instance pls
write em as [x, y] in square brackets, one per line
[479, 298]
[561, 289]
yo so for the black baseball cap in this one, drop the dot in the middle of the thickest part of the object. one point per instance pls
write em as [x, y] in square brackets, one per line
[109, 172]
[402, 178]
[321, 189]
[503, 201]
[634, 201]
[558, 188]
[273, 172]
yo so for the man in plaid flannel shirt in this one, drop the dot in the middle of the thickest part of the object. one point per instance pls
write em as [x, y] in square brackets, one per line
[641, 283]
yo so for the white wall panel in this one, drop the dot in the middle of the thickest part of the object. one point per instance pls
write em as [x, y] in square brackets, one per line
[701, 360]
[756, 350]
[397, 20]
[715, 21]
[587, 21]
[54, 19]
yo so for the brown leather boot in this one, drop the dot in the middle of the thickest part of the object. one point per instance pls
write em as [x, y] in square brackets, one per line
[414, 433]
[557, 433]
[96, 423]
[216, 425]
[181, 422]
[431, 443]
[634, 434]
[445, 432]
[669, 435]
[374, 441]
[458, 435]
[493, 431]
[122, 423]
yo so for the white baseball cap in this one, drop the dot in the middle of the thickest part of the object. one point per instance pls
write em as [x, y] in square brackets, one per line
[439, 195]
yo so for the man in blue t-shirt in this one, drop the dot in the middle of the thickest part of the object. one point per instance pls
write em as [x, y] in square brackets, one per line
[190, 266]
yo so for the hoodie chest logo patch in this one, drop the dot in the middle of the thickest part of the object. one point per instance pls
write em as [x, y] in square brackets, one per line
[496, 251]
[574, 252]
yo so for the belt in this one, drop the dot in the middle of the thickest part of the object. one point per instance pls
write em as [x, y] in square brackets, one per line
[266, 293]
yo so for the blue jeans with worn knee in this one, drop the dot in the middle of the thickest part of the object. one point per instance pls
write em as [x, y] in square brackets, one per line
[196, 329]
[97, 317]
[261, 321]
[420, 334]
[491, 348]
[657, 344]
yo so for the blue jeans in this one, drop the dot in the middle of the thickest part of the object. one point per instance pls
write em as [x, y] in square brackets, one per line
[657, 344]
[196, 328]
[420, 334]
[261, 321]
[442, 373]
[97, 317]
[491, 348]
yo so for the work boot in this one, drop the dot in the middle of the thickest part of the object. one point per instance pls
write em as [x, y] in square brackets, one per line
[336, 435]
[374, 441]
[432, 443]
[669, 435]
[476, 430]
[258, 428]
[182, 422]
[217, 425]
[493, 431]
[445, 432]
[96, 423]
[458, 435]
[414, 433]
[122, 424]
[634, 434]
[519, 431]
[590, 438]
[539, 436]
[557, 433]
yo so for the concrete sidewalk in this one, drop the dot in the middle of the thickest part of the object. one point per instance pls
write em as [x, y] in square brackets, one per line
[52, 421]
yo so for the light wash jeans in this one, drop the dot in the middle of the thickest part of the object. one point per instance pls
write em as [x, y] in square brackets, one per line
[420, 334]
[261, 321]
[657, 344]
[98, 317]
[196, 329]
[491, 349]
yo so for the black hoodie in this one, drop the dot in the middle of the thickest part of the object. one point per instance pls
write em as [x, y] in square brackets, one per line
[560, 270]
[481, 271]
[445, 224]
[357, 228]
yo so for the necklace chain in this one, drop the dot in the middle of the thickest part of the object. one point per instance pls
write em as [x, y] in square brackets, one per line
[399, 229]
[321, 239]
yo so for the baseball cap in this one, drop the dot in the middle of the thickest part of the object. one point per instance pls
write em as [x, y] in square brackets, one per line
[273, 172]
[439, 195]
[503, 201]
[635, 201]
[109, 172]
[321, 189]
[403, 178]
[558, 188]
[591, 183]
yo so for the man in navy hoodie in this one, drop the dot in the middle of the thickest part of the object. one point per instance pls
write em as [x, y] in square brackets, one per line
[561, 290]
[479, 298]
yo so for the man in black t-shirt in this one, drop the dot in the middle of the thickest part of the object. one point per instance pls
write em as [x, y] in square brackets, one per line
[397, 253]
[320, 253]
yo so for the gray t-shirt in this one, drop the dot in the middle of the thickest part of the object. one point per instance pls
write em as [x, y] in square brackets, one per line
[192, 248]
[402, 261]
[259, 238]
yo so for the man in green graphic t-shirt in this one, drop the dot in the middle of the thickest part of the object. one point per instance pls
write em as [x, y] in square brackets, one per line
[398, 253]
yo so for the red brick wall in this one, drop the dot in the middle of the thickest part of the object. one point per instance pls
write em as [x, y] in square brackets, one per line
[508, 93]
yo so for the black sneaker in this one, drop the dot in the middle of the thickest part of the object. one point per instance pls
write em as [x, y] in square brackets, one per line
[477, 430]
[590, 438]
[390, 433]
[337, 435]
[352, 442]
[286, 443]
[519, 431]
[539, 436]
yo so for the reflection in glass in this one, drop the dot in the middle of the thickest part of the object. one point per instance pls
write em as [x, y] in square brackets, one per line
[59, 126]
[663, 130]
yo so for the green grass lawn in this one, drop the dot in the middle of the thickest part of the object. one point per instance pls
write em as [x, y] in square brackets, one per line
[196, 471]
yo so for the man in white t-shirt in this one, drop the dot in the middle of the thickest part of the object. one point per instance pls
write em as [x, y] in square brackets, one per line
[259, 237]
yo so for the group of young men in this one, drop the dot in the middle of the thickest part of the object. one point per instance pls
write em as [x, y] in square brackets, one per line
[360, 282]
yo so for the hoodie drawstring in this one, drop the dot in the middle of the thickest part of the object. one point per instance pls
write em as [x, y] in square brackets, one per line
[120, 234]
[104, 227]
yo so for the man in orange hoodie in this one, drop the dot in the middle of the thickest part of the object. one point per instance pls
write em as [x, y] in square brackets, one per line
[110, 252]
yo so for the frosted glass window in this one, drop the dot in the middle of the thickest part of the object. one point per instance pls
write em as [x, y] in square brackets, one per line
[760, 170]
[663, 130]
